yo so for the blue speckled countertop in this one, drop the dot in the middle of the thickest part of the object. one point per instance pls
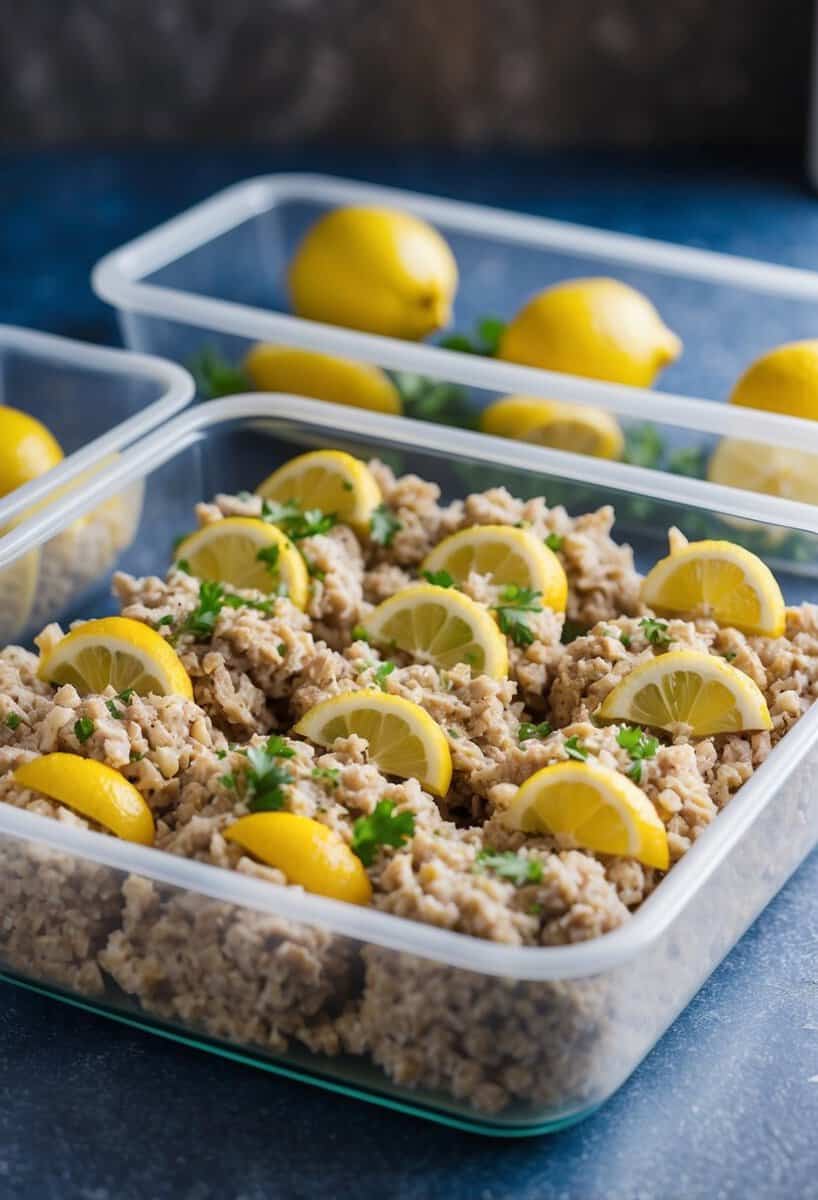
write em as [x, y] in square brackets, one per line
[727, 1104]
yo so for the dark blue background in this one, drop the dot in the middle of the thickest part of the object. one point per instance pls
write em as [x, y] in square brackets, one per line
[726, 1106]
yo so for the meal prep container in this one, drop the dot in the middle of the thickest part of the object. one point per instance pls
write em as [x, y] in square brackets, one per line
[95, 401]
[559, 1027]
[214, 279]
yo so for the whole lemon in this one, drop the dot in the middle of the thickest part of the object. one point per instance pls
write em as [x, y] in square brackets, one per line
[321, 376]
[599, 328]
[374, 269]
[27, 449]
[784, 380]
[580, 428]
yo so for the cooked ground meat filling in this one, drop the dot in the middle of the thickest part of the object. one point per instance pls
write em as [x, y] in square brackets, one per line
[261, 665]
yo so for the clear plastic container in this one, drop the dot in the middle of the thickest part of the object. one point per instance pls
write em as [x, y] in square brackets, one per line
[95, 401]
[213, 280]
[502, 1040]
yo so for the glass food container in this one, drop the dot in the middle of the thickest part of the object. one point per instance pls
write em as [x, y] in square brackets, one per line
[499, 1039]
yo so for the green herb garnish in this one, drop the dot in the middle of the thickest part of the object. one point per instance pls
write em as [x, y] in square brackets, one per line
[216, 377]
[329, 775]
[554, 541]
[381, 828]
[571, 630]
[514, 605]
[644, 446]
[639, 745]
[383, 671]
[182, 564]
[359, 634]
[574, 749]
[655, 631]
[14, 720]
[296, 522]
[383, 525]
[265, 777]
[269, 555]
[432, 400]
[485, 340]
[83, 728]
[511, 866]
[438, 578]
[528, 731]
[168, 619]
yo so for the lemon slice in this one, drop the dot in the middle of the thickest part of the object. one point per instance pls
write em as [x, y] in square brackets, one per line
[120, 652]
[440, 626]
[721, 579]
[403, 739]
[309, 853]
[771, 470]
[556, 424]
[93, 790]
[688, 691]
[331, 480]
[596, 807]
[508, 554]
[247, 553]
[322, 376]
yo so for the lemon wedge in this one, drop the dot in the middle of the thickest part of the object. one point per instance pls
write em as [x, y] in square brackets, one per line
[321, 376]
[376, 269]
[93, 790]
[770, 470]
[330, 480]
[440, 626]
[309, 853]
[600, 328]
[555, 423]
[595, 807]
[118, 651]
[723, 581]
[247, 553]
[508, 555]
[687, 691]
[403, 739]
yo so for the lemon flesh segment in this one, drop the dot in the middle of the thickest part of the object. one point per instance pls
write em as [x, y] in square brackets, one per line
[508, 555]
[322, 377]
[724, 581]
[440, 626]
[599, 328]
[331, 480]
[770, 470]
[309, 854]
[229, 550]
[554, 423]
[92, 789]
[27, 449]
[119, 652]
[375, 269]
[403, 739]
[596, 807]
[688, 691]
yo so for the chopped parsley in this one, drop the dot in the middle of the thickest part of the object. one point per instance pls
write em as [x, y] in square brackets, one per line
[438, 578]
[644, 446]
[282, 648]
[426, 399]
[265, 777]
[554, 541]
[383, 525]
[328, 775]
[168, 619]
[511, 866]
[730, 655]
[528, 731]
[269, 555]
[83, 728]
[182, 564]
[384, 670]
[571, 630]
[315, 572]
[512, 613]
[574, 748]
[296, 522]
[656, 632]
[359, 634]
[625, 639]
[216, 377]
[383, 827]
[485, 340]
[201, 620]
[136, 756]
[115, 712]
[14, 720]
[639, 745]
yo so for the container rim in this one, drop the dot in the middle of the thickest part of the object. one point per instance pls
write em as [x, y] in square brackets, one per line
[118, 278]
[177, 390]
[368, 925]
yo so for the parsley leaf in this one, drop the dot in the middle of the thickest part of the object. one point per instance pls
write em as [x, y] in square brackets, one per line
[527, 730]
[329, 775]
[383, 525]
[216, 377]
[113, 710]
[83, 728]
[625, 639]
[201, 621]
[266, 777]
[690, 461]
[656, 632]
[644, 446]
[386, 668]
[554, 541]
[426, 399]
[381, 828]
[574, 749]
[295, 522]
[182, 564]
[511, 866]
[639, 745]
[168, 619]
[14, 720]
[269, 556]
[359, 634]
[515, 602]
[730, 655]
[484, 341]
[438, 578]
[571, 630]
